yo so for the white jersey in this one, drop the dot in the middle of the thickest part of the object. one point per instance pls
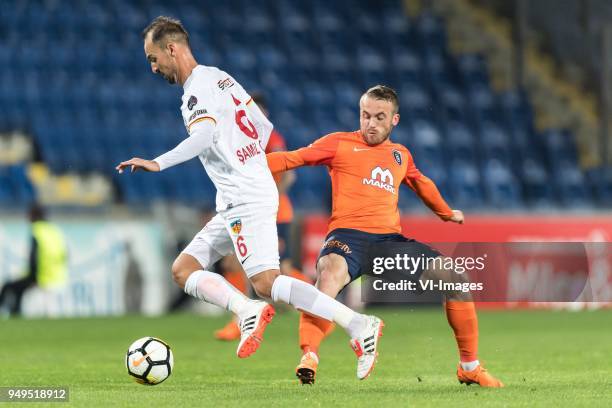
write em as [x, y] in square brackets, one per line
[236, 160]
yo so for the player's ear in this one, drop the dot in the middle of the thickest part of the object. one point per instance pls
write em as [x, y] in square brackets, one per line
[395, 119]
[171, 48]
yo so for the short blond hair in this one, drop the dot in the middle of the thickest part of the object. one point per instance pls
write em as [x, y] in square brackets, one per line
[165, 28]
[384, 93]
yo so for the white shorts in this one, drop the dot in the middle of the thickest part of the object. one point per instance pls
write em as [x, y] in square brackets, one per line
[247, 230]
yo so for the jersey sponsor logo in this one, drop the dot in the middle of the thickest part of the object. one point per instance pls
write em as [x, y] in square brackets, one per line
[236, 226]
[332, 243]
[248, 151]
[223, 84]
[198, 112]
[380, 178]
[192, 102]
[397, 156]
[359, 150]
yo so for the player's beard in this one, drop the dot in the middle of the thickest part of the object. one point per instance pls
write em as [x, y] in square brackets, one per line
[170, 78]
[377, 138]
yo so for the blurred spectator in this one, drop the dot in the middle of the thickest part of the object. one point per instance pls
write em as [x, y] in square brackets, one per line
[47, 266]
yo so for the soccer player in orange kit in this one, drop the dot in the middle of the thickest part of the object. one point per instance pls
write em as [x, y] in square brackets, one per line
[366, 169]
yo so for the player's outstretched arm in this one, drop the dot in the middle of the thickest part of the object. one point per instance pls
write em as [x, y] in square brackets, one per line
[428, 193]
[136, 164]
[199, 140]
[322, 151]
[431, 197]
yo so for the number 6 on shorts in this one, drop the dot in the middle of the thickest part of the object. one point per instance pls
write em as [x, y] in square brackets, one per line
[242, 248]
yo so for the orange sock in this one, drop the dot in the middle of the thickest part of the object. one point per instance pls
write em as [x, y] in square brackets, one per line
[237, 279]
[462, 318]
[312, 331]
[297, 274]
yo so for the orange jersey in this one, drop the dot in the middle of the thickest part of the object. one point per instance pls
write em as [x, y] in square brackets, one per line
[285, 209]
[365, 180]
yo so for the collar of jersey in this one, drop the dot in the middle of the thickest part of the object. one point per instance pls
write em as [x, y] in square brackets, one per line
[188, 80]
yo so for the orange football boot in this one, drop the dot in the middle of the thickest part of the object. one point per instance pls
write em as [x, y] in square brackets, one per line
[478, 376]
[230, 332]
[307, 369]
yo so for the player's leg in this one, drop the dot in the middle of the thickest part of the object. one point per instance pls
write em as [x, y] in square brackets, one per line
[332, 276]
[14, 291]
[256, 246]
[363, 330]
[190, 272]
[461, 316]
[233, 273]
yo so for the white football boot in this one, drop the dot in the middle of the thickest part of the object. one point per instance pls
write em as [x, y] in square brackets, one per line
[253, 322]
[365, 346]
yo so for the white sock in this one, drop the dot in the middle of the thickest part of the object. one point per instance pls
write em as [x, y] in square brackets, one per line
[470, 365]
[213, 288]
[306, 297]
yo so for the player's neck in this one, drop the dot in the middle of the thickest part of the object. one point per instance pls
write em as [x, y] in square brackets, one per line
[186, 65]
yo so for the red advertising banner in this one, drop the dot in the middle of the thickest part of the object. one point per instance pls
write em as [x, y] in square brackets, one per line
[519, 276]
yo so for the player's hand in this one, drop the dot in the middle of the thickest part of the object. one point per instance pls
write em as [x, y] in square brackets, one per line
[457, 217]
[136, 164]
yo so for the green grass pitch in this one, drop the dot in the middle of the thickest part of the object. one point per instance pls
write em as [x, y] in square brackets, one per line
[545, 359]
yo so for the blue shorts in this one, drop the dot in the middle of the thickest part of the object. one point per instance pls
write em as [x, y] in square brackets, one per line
[353, 246]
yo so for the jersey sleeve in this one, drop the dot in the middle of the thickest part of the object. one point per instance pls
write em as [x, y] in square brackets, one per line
[426, 189]
[320, 152]
[202, 105]
[198, 141]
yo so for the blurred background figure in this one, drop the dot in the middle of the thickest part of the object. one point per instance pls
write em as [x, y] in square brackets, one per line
[47, 262]
[132, 295]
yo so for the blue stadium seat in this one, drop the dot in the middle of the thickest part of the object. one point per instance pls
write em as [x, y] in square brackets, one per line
[408, 65]
[600, 181]
[537, 185]
[559, 147]
[494, 142]
[465, 185]
[571, 185]
[472, 69]
[427, 141]
[452, 104]
[417, 102]
[461, 141]
[502, 188]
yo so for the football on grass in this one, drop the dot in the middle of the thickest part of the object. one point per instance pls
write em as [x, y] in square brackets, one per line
[149, 360]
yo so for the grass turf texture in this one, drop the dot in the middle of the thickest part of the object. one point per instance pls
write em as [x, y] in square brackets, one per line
[544, 358]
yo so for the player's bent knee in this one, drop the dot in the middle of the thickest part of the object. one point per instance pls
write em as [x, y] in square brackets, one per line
[332, 273]
[262, 282]
[182, 267]
[178, 273]
[332, 279]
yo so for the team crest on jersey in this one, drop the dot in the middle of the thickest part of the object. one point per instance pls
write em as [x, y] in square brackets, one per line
[398, 157]
[236, 226]
[192, 102]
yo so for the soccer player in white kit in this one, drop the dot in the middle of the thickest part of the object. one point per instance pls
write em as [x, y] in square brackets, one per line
[229, 133]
